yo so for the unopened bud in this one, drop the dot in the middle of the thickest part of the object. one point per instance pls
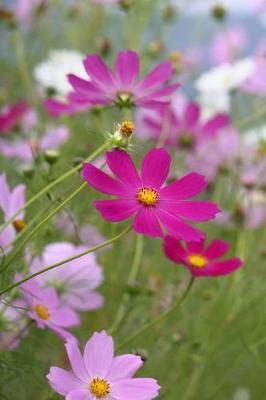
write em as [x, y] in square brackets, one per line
[169, 12]
[121, 137]
[105, 46]
[125, 4]
[155, 48]
[28, 172]
[51, 156]
[219, 12]
[176, 60]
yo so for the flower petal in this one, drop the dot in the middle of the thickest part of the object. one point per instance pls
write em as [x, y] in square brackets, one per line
[217, 248]
[197, 211]
[116, 210]
[98, 71]
[17, 201]
[188, 186]
[63, 381]
[146, 222]
[100, 181]
[155, 168]
[161, 73]
[76, 360]
[65, 317]
[196, 247]
[136, 388]
[124, 367]
[127, 67]
[174, 250]
[192, 112]
[98, 354]
[216, 123]
[219, 268]
[121, 164]
[4, 194]
[80, 394]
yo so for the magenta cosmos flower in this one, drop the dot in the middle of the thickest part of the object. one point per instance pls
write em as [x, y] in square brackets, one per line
[120, 87]
[199, 259]
[74, 281]
[180, 124]
[11, 115]
[100, 375]
[154, 205]
[46, 310]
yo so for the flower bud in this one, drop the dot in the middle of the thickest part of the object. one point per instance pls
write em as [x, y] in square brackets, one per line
[169, 13]
[121, 137]
[155, 48]
[51, 156]
[219, 12]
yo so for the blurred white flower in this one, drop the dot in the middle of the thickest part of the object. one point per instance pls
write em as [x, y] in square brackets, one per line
[255, 135]
[52, 73]
[242, 393]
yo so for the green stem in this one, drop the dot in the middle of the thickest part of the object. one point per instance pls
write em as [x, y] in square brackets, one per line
[161, 317]
[22, 62]
[61, 178]
[58, 264]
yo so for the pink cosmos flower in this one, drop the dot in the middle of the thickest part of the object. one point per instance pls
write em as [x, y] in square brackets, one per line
[153, 205]
[227, 45]
[26, 149]
[11, 115]
[74, 281]
[99, 375]
[120, 87]
[10, 203]
[181, 124]
[46, 310]
[200, 259]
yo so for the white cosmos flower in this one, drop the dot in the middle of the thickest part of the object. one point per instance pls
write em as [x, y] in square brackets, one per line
[255, 135]
[52, 73]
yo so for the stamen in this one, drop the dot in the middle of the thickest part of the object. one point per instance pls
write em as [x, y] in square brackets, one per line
[147, 196]
[42, 311]
[127, 128]
[99, 388]
[197, 260]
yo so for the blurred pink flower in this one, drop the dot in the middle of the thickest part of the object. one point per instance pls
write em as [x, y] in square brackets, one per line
[74, 281]
[10, 203]
[201, 260]
[228, 45]
[27, 149]
[99, 375]
[46, 310]
[24, 10]
[11, 115]
[143, 197]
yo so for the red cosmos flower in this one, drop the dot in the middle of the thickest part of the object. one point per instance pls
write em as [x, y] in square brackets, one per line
[200, 259]
[154, 205]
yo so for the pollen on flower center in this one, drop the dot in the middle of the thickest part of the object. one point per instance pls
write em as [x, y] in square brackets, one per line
[19, 224]
[147, 196]
[127, 128]
[99, 388]
[42, 311]
[197, 260]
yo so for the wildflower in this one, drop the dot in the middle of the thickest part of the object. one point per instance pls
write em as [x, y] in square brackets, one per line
[11, 115]
[10, 203]
[99, 375]
[75, 281]
[46, 310]
[181, 124]
[143, 196]
[200, 259]
[120, 87]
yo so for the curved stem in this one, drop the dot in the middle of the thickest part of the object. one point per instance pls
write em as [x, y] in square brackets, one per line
[94, 248]
[40, 225]
[161, 317]
[47, 188]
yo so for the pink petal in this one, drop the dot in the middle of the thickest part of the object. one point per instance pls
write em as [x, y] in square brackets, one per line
[127, 67]
[177, 227]
[155, 168]
[174, 250]
[163, 72]
[61, 332]
[84, 301]
[219, 268]
[100, 181]
[4, 194]
[161, 94]
[98, 71]
[184, 188]
[196, 247]
[217, 248]
[124, 367]
[80, 394]
[65, 317]
[63, 381]
[54, 137]
[120, 163]
[216, 123]
[197, 211]
[80, 84]
[116, 210]
[136, 388]
[98, 354]
[17, 201]
[192, 112]
[76, 360]
[146, 222]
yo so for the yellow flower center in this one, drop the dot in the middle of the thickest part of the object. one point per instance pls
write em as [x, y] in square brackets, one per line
[99, 388]
[127, 128]
[19, 225]
[147, 196]
[42, 311]
[197, 260]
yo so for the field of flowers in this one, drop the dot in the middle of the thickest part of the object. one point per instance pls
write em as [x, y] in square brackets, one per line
[132, 200]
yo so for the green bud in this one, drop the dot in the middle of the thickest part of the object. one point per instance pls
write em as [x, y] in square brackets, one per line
[51, 156]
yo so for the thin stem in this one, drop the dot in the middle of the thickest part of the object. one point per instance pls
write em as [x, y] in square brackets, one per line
[42, 223]
[53, 184]
[161, 317]
[58, 264]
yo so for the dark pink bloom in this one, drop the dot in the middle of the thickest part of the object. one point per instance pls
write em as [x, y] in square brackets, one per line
[120, 87]
[153, 205]
[98, 374]
[11, 115]
[46, 310]
[180, 124]
[200, 259]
